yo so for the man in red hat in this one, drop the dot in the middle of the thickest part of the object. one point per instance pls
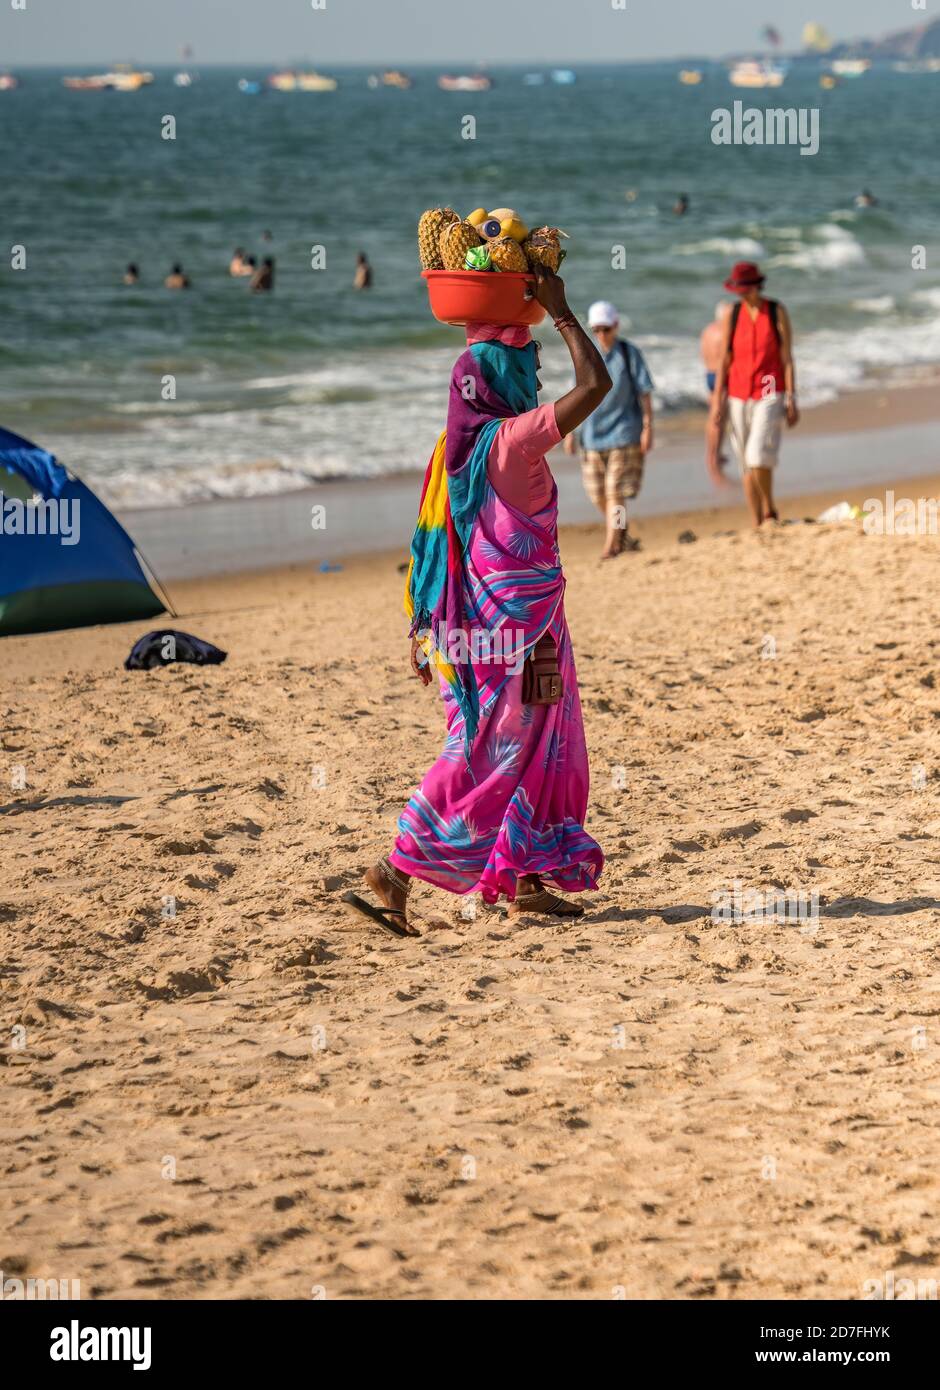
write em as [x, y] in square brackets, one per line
[756, 375]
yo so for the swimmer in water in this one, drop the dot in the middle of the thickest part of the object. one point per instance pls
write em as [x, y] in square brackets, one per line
[263, 278]
[176, 280]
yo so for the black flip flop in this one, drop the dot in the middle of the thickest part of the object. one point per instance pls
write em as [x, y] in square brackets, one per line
[378, 914]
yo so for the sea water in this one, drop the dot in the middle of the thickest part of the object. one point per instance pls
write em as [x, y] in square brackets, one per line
[158, 397]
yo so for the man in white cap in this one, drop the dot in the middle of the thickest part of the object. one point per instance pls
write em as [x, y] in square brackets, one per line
[617, 437]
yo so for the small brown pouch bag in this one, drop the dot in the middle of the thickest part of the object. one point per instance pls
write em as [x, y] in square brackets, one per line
[541, 678]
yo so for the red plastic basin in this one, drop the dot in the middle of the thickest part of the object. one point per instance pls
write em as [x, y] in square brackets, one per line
[505, 297]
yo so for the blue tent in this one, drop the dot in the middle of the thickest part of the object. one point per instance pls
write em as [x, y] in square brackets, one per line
[64, 560]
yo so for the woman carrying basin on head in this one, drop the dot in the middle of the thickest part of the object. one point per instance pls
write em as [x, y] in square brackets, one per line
[502, 809]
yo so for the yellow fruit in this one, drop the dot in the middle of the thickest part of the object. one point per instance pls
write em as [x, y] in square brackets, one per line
[477, 216]
[506, 254]
[510, 223]
[514, 227]
[456, 241]
[430, 226]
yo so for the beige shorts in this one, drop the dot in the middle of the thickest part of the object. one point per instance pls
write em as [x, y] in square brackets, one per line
[755, 428]
[613, 475]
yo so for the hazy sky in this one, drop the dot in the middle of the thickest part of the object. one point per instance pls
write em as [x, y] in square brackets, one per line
[458, 32]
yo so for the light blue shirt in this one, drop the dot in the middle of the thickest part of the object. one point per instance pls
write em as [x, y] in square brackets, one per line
[618, 420]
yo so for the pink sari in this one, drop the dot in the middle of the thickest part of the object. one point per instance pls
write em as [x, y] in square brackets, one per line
[516, 804]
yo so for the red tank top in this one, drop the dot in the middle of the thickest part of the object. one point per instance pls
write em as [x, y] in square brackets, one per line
[755, 356]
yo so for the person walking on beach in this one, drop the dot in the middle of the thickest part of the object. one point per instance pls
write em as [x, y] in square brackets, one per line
[502, 809]
[619, 434]
[757, 376]
[712, 349]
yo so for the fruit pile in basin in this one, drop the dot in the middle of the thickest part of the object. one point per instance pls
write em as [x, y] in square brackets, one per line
[497, 240]
[454, 251]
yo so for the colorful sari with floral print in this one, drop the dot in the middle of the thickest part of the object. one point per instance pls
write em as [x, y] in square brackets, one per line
[508, 795]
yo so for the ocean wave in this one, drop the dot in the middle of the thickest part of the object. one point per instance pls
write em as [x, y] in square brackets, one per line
[784, 233]
[829, 363]
[723, 246]
[834, 249]
[266, 441]
[882, 304]
[185, 483]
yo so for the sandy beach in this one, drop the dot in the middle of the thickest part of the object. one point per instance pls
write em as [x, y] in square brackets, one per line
[220, 1084]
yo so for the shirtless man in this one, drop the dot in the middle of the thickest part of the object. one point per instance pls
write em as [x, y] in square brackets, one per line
[712, 349]
[176, 280]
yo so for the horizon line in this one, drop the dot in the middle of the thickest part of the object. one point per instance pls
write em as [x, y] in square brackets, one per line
[387, 64]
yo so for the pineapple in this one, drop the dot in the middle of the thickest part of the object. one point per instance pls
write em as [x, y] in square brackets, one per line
[542, 247]
[430, 227]
[456, 241]
[507, 254]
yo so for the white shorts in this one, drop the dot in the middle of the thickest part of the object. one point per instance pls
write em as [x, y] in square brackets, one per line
[755, 428]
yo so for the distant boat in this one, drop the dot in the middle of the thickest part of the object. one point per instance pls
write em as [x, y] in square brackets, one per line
[564, 77]
[466, 82]
[302, 82]
[249, 87]
[921, 65]
[122, 79]
[690, 76]
[8, 82]
[753, 74]
[850, 67]
[401, 80]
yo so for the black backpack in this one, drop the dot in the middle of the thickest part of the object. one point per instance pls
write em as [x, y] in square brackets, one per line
[621, 343]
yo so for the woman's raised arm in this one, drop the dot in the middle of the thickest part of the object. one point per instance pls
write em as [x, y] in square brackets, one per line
[592, 380]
